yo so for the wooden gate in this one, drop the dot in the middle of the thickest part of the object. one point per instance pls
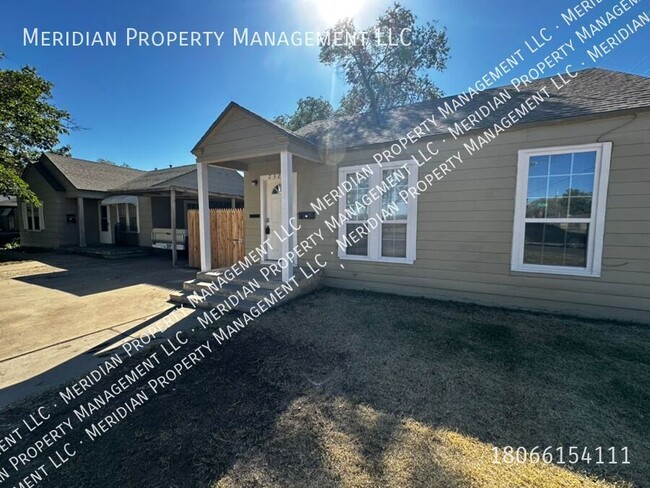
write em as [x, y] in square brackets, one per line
[226, 236]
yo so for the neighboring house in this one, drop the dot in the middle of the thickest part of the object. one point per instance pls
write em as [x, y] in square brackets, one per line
[86, 203]
[554, 214]
[8, 219]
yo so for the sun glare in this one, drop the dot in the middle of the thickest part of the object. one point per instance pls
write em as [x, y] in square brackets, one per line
[332, 10]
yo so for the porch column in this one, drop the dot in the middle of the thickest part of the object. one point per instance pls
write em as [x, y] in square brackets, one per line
[204, 217]
[232, 203]
[172, 208]
[286, 170]
[81, 222]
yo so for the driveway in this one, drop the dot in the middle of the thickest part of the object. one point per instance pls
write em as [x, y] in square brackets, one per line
[59, 313]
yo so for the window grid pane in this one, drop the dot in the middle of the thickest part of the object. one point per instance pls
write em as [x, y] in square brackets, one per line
[557, 244]
[561, 186]
[354, 202]
[391, 202]
[393, 240]
[357, 240]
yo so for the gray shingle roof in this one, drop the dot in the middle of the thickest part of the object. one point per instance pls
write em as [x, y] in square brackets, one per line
[221, 181]
[154, 178]
[595, 91]
[92, 176]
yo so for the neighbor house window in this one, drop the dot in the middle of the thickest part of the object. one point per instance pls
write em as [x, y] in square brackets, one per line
[127, 216]
[560, 209]
[380, 223]
[33, 217]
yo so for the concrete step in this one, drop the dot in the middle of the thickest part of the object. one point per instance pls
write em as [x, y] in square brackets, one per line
[247, 298]
[197, 286]
[180, 298]
[271, 281]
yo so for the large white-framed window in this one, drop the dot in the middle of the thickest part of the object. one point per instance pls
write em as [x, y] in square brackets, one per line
[560, 209]
[382, 214]
[33, 217]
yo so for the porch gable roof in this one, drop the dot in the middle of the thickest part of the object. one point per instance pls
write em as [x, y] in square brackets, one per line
[221, 142]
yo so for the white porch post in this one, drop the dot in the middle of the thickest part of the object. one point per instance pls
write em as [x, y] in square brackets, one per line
[286, 180]
[204, 217]
[81, 222]
[172, 208]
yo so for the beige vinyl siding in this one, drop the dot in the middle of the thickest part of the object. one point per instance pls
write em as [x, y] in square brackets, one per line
[91, 213]
[145, 221]
[69, 232]
[465, 224]
[57, 231]
[240, 135]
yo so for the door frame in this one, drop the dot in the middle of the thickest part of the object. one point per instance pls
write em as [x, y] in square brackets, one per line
[264, 183]
[108, 216]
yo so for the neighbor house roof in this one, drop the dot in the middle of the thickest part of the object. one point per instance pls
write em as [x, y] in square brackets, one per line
[593, 92]
[90, 175]
[8, 201]
[221, 181]
[155, 178]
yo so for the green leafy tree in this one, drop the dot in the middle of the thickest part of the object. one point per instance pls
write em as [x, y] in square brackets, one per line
[29, 125]
[309, 110]
[383, 74]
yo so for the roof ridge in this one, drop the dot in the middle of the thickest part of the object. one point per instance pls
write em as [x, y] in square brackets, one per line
[113, 165]
[191, 167]
[439, 99]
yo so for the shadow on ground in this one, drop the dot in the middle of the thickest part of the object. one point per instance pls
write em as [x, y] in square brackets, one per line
[84, 275]
[341, 388]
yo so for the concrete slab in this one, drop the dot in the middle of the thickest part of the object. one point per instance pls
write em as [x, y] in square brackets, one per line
[60, 313]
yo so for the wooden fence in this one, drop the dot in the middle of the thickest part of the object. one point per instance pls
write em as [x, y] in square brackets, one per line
[226, 236]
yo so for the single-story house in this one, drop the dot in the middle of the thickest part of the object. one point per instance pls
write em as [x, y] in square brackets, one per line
[550, 213]
[86, 203]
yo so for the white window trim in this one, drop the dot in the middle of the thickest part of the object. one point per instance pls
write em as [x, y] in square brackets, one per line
[597, 219]
[137, 214]
[41, 220]
[374, 237]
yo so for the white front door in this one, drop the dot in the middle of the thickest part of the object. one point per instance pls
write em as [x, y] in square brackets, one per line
[105, 236]
[272, 223]
[273, 218]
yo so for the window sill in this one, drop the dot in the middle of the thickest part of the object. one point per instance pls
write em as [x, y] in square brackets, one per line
[379, 260]
[32, 230]
[555, 270]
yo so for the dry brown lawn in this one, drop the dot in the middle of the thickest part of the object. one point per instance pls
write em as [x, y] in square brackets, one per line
[354, 389]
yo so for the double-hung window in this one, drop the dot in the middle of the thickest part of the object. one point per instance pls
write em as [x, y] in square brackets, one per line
[33, 217]
[560, 209]
[380, 212]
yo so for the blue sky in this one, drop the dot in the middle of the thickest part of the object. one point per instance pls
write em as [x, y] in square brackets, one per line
[149, 106]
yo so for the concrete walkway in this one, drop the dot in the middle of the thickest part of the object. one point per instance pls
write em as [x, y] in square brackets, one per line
[60, 314]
